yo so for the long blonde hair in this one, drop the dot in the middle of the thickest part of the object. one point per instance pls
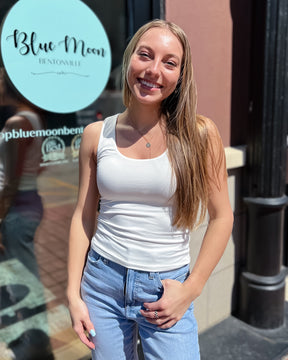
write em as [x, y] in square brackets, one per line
[188, 139]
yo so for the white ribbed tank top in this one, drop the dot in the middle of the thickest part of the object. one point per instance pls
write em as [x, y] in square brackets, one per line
[134, 227]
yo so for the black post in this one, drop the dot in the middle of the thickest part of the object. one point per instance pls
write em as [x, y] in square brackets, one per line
[262, 298]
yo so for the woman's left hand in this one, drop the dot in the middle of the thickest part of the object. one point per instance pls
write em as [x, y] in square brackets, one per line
[173, 304]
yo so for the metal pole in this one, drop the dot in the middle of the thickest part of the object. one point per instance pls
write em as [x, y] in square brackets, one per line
[263, 281]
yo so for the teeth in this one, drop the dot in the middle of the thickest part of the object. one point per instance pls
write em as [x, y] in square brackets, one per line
[147, 83]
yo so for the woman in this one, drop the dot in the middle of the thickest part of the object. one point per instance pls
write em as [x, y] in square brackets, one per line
[21, 207]
[152, 168]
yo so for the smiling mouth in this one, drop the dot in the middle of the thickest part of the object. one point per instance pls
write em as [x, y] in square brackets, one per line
[149, 84]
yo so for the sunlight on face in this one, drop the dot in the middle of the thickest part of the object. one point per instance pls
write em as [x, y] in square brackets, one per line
[155, 66]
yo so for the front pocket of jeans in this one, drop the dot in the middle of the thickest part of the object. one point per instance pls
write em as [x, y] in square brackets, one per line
[93, 263]
[93, 257]
[178, 275]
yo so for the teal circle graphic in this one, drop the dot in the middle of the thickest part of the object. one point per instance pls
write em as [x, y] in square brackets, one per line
[56, 53]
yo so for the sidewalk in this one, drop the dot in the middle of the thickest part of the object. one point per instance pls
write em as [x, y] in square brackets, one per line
[232, 339]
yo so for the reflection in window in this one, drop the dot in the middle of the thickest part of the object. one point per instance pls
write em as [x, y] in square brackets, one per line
[38, 191]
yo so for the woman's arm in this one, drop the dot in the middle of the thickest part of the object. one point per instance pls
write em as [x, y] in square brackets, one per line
[177, 297]
[221, 217]
[82, 229]
[15, 151]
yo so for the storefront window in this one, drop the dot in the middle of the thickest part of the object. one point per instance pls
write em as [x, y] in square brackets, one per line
[38, 191]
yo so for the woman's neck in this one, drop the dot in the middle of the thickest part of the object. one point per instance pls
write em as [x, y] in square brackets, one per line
[142, 117]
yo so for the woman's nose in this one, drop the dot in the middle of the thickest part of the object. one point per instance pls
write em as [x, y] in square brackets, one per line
[154, 67]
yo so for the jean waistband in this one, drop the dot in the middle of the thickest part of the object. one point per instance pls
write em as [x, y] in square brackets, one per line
[114, 264]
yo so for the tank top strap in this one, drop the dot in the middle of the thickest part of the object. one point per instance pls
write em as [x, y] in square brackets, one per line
[107, 135]
[109, 125]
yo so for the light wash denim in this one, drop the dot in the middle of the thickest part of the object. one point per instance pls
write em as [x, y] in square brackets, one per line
[18, 229]
[114, 295]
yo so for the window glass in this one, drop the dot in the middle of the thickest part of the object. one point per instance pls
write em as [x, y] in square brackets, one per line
[38, 191]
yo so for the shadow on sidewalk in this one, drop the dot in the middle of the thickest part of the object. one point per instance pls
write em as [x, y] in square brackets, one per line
[232, 339]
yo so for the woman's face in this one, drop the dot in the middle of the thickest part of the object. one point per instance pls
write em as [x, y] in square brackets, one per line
[155, 66]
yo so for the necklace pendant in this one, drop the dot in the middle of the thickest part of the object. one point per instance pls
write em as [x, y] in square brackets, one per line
[148, 145]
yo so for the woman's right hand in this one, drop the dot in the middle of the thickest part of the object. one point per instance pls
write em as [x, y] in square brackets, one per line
[81, 322]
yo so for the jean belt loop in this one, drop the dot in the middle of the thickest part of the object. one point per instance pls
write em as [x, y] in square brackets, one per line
[151, 275]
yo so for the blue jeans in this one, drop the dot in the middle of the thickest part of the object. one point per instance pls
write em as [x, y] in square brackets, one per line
[18, 229]
[114, 295]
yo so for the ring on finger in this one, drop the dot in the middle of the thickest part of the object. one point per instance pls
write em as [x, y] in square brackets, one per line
[156, 314]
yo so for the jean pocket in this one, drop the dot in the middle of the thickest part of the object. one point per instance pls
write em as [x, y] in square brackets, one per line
[93, 257]
[92, 267]
[180, 274]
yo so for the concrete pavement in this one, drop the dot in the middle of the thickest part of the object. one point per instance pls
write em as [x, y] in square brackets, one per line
[234, 340]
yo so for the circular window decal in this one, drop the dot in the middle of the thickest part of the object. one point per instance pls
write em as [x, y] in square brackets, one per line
[56, 53]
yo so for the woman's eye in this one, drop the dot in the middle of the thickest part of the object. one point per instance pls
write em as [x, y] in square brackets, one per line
[143, 54]
[171, 63]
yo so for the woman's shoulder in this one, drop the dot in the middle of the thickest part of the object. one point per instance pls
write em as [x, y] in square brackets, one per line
[92, 132]
[210, 138]
[206, 123]
[16, 122]
[93, 129]
[207, 127]
[90, 137]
